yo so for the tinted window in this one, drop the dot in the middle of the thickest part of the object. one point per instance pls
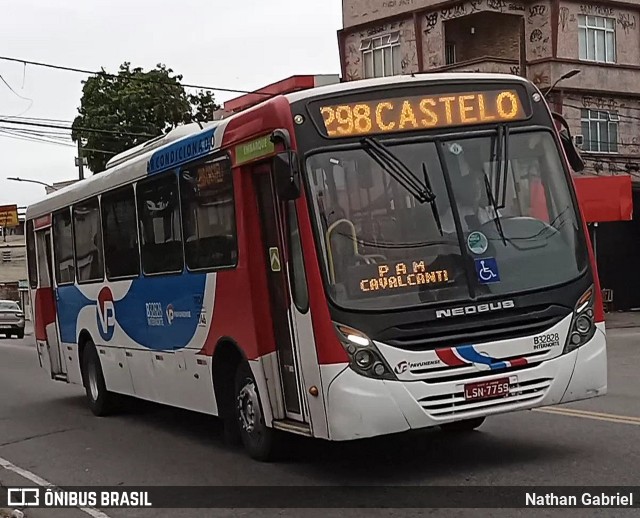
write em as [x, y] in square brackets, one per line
[159, 213]
[88, 240]
[120, 232]
[63, 247]
[296, 260]
[31, 256]
[208, 215]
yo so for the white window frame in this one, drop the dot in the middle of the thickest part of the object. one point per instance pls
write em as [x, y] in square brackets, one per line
[603, 143]
[375, 47]
[596, 27]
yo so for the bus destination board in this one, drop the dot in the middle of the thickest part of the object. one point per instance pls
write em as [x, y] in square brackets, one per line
[406, 113]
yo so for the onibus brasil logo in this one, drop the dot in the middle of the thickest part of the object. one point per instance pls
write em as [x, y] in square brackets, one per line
[106, 314]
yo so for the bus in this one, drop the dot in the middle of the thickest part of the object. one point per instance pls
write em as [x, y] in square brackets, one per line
[342, 261]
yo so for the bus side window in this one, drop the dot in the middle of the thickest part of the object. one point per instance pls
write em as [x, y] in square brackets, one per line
[65, 267]
[31, 256]
[208, 215]
[159, 213]
[88, 241]
[120, 231]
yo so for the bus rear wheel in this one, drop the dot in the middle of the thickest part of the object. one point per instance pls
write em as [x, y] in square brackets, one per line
[101, 401]
[259, 440]
[466, 425]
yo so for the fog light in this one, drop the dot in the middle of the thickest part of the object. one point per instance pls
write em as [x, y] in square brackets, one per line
[378, 368]
[583, 324]
[363, 359]
[575, 338]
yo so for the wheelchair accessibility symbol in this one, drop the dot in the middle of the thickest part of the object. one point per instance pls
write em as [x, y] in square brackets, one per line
[487, 270]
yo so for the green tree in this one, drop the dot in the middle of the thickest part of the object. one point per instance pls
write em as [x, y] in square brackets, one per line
[132, 107]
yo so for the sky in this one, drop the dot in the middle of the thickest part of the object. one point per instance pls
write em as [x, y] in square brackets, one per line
[242, 44]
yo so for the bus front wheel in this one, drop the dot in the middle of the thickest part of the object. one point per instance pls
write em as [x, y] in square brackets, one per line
[101, 401]
[259, 440]
[466, 425]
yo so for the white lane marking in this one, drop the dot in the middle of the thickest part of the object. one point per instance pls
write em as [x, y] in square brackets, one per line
[4, 463]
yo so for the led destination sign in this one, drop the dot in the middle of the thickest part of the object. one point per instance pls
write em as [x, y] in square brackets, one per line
[396, 114]
[391, 277]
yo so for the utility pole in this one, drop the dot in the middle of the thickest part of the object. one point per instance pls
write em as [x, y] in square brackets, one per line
[80, 160]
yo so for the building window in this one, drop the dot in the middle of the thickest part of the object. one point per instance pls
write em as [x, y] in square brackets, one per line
[600, 131]
[597, 38]
[381, 56]
[160, 236]
[87, 233]
[208, 215]
[120, 231]
[63, 247]
[449, 53]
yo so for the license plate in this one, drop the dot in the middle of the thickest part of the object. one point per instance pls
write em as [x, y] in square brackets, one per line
[487, 389]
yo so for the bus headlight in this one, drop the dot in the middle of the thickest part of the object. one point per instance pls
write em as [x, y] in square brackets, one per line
[583, 325]
[364, 357]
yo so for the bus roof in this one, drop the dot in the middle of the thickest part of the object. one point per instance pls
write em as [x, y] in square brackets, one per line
[131, 164]
[471, 77]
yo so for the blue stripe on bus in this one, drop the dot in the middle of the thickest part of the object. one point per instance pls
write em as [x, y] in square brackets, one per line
[159, 313]
[181, 152]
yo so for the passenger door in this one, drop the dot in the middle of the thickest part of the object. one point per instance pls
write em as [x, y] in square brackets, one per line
[274, 245]
[45, 308]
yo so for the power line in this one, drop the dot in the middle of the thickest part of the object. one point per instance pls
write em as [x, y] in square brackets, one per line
[604, 108]
[35, 119]
[131, 77]
[622, 116]
[78, 129]
[14, 92]
[7, 134]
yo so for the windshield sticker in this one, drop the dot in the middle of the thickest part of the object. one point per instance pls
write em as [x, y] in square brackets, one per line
[477, 243]
[455, 148]
[487, 270]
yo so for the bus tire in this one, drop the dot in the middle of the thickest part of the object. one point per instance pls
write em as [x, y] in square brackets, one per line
[20, 335]
[259, 440]
[466, 425]
[101, 401]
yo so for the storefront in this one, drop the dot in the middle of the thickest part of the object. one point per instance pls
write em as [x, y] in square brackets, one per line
[607, 204]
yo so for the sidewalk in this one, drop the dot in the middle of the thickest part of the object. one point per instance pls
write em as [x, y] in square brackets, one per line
[622, 319]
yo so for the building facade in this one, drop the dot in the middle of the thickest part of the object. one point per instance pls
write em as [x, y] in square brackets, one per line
[542, 40]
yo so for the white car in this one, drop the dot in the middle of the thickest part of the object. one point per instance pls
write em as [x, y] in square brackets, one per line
[11, 319]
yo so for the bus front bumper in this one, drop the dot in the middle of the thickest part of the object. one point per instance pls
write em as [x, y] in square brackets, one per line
[359, 407]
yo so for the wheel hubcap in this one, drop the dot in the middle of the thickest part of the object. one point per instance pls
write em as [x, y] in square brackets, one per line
[249, 407]
[93, 382]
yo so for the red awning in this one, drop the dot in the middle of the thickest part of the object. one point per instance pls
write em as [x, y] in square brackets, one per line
[605, 198]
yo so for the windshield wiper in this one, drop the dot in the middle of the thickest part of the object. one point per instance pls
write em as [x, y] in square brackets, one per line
[399, 171]
[434, 209]
[487, 188]
[502, 164]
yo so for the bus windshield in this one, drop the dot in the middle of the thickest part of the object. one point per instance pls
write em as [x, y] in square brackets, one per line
[502, 222]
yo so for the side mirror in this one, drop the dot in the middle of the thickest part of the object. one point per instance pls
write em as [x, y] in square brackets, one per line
[573, 155]
[286, 171]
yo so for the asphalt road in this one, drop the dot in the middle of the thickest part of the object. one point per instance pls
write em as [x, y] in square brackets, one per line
[46, 428]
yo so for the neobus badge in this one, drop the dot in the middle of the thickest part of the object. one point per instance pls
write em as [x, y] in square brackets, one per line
[395, 114]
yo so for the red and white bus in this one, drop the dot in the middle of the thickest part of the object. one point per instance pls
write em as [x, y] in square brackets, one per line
[343, 261]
